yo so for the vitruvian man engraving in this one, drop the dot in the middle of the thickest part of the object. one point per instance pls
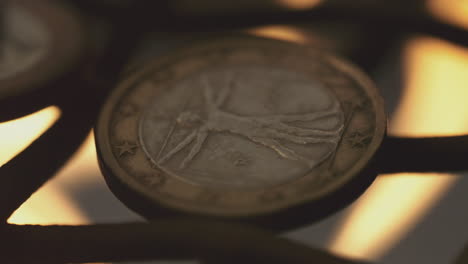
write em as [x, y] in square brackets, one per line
[268, 131]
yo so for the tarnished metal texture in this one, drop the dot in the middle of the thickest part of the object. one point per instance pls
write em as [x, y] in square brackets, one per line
[125, 25]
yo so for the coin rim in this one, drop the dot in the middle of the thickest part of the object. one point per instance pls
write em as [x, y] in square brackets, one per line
[114, 170]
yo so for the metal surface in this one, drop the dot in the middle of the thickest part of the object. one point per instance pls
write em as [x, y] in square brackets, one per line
[29, 170]
[231, 128]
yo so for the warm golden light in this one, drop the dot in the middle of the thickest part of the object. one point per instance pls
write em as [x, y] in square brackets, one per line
[50, 204]
[387, 211]
[280, 32]
[17, 134]
[452, 11]
[298, 4]
[54, 202]
[434, 103]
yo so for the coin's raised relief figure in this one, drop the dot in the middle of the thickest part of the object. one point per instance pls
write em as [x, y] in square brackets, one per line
[267, 131]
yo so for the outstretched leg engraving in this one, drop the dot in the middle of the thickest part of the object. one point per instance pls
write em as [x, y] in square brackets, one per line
[264, 130]
[179, 146]
[201, 137]
[284, 151]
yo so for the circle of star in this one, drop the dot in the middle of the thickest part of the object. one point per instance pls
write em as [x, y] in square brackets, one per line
[359, 139]
[126, 148]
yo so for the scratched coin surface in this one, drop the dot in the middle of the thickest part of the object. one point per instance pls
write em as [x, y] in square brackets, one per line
[240, 126]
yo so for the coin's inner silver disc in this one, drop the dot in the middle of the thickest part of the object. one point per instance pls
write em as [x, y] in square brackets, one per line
[25, 42]
[241, 127]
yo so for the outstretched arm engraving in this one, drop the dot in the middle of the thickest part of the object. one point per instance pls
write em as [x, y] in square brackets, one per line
[186, 141]
[225, 90]
[299, 131]
[208, 94]
[223, 94]
[284, 151]
[267, 131]
[312, 116]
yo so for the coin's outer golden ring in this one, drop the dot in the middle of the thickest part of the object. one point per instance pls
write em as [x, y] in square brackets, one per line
[326, 201]
[66, 47]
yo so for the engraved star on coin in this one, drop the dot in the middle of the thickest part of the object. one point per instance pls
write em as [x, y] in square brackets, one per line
[362, 104]
[128, 109]
[271, 196]
[246, 128]
[126, 148]
[355, 104]
[164, 76]
[329, 174]
[208, 196]
[359, 139]
[156, 180]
